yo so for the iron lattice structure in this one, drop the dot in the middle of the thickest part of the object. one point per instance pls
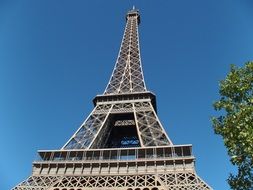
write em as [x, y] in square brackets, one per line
[122, 144]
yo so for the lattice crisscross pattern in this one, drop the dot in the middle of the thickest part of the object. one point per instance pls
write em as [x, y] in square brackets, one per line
[127, 76]
[151, 130]
[171, 181]
[37, 183]
[86, 133]
[94, 129]
[109, 181]
[184, 180]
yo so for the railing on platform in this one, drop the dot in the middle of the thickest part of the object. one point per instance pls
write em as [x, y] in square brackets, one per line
[122, 154]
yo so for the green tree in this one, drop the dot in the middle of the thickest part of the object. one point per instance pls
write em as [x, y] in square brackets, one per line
[235, 123]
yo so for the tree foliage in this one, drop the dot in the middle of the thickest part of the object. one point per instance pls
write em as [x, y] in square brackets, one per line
[235, 124]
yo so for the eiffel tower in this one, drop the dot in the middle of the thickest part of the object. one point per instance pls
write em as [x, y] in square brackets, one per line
[122, 144]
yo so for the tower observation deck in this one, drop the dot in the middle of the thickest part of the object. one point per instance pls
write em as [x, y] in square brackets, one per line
[122, 143]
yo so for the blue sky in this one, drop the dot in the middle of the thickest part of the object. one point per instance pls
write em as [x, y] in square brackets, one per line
[55, 56]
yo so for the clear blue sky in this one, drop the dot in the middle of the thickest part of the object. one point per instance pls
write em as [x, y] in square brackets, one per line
[55, 56]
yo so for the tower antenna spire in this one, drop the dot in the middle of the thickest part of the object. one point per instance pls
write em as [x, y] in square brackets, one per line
[133, 7]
